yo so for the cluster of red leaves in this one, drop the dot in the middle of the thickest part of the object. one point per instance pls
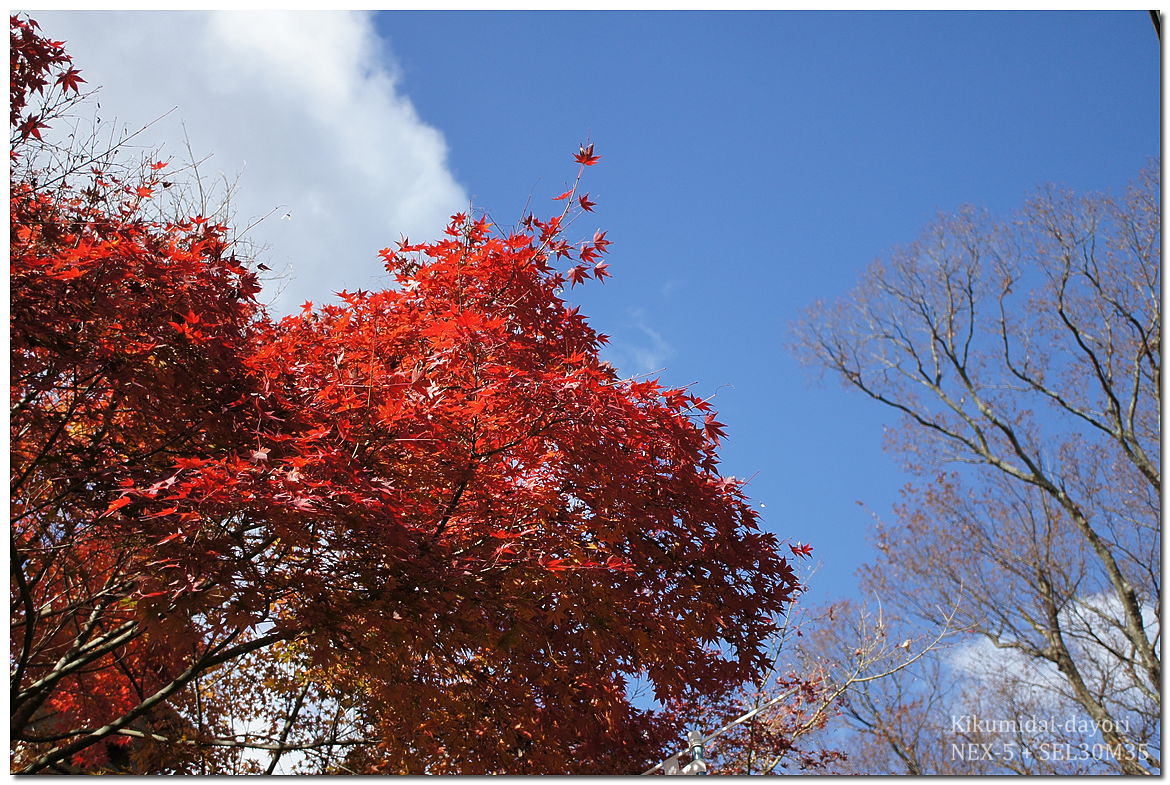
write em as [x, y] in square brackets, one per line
[494, 484]
[31, 57]
[126, 346]
[127, 339]
[438, 491]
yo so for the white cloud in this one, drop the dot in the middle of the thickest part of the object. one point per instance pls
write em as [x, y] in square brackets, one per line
[1092, 629]
[304, 107]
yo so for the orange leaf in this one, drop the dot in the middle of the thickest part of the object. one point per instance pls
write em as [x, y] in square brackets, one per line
[117, 504]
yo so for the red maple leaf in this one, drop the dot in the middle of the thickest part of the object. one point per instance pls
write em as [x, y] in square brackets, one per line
[561, 248]
[801, 550]
[555, 565]
[32, 127]
[117, 504]
[713, 429]
[586, 156]
[577, 274]
[70, 79]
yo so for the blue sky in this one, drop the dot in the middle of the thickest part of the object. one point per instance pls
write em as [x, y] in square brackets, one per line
[752, 164]
[756, 162]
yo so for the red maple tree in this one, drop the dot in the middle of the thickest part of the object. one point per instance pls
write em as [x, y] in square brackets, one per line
[436, 500]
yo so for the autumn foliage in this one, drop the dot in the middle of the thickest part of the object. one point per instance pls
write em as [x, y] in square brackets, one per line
[431, 510]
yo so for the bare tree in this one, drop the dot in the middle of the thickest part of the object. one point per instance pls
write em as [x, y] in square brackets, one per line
[1024, 358]
[824, 662]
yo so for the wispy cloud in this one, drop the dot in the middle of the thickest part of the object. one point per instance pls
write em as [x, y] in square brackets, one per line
[638, 349]
[306, 108]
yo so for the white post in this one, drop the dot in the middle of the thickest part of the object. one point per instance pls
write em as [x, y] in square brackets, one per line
[697, 764]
